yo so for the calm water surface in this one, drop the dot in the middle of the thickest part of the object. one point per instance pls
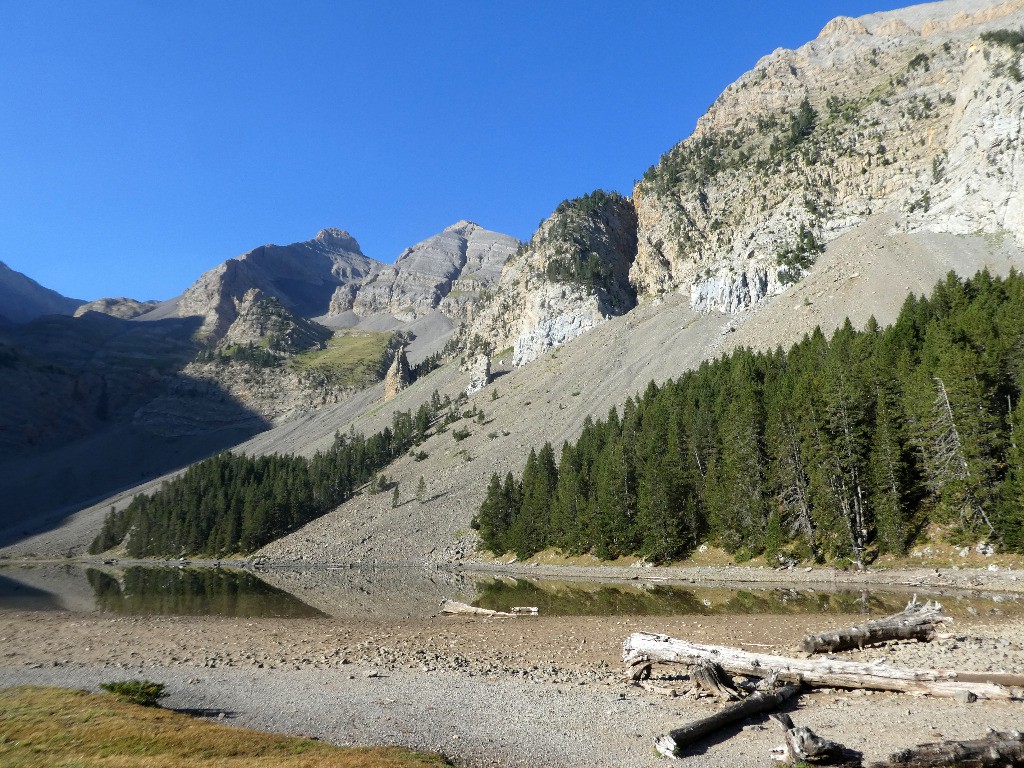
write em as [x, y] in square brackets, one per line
[395, 593]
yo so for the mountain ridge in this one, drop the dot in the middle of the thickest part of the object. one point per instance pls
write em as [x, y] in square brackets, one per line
[828, 182]
[23, 299]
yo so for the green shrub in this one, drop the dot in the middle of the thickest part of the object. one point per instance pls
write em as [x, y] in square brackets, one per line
[1011, 38]
[145, 693]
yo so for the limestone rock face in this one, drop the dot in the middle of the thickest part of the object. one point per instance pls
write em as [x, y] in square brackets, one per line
[909, 113]
[480, 374]
[121, 307]
[303, 276]
[446, 271]
[843, 25]
[398, 376]
[572, 276]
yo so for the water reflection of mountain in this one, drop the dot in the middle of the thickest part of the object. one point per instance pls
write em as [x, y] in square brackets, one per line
[52, 588]
[192, 592]
[368, 592]
[17, 595]
[555, 598]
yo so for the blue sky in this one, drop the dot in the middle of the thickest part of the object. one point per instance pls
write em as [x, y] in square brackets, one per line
[145, 141]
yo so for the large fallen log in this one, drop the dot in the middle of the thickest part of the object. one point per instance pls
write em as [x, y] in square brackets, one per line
[915, 622]
[455, 608]
[646, 648]
[672, 744]
[1002, 750]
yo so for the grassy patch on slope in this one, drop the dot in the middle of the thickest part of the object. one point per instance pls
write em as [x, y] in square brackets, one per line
[351, 359]
[45, 727]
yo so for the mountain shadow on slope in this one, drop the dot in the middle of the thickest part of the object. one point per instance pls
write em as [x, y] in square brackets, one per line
[71, 431]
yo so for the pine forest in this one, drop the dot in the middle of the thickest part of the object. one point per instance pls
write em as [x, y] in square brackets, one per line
[839, 449]
[234, 504]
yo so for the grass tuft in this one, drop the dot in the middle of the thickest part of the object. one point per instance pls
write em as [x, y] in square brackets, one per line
[145, 693]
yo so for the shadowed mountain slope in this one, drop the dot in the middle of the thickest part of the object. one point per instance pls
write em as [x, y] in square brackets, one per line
[23, 299]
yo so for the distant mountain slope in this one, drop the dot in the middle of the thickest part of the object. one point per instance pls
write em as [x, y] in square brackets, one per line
[446, 271]
[303, 276]
[23, 299]
[330, 279]
[138, 389]
[122, 307]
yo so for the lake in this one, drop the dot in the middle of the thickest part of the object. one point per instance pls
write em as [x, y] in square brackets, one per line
[381, 593]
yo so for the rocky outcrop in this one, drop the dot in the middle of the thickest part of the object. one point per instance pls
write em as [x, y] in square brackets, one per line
[398, 376]
[480, 374]
[23, 299]
[121, 307]
[910, 113]
[572, 276]
[303, 276]
[446, 271]
[843, 25]
[263, 322]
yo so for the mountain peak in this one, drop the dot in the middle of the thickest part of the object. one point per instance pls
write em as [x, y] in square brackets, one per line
[337, 238]
[463, 227]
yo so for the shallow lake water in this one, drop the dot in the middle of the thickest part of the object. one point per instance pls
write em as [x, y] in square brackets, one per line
[386, 593]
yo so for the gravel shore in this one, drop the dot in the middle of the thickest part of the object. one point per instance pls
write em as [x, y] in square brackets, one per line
[491, 692]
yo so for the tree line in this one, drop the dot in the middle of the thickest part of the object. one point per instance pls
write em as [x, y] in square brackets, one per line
[838, 449]
[232, 503]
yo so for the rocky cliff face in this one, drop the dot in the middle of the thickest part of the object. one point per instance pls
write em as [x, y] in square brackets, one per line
[446, 271]
[571, 277]
[304, 277]
[914, 113]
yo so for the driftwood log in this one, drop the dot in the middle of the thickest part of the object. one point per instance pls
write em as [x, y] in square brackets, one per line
[996, 750]
[672, 744]
[805, 746]
[645, 648]
[1002, 750]
[455, 608]
[915, 622]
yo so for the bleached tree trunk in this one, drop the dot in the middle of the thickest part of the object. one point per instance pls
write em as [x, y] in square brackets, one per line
[672, 744]
[643, 647]
[915, 622]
